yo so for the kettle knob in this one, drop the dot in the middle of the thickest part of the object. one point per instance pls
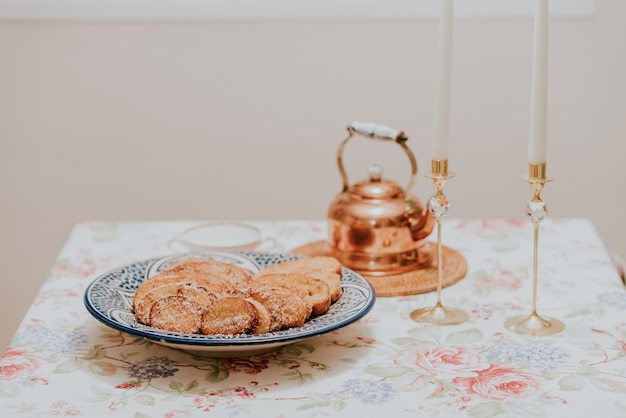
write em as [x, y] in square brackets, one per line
[376, 172]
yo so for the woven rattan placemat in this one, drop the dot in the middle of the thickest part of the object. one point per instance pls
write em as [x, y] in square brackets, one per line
[408, 283]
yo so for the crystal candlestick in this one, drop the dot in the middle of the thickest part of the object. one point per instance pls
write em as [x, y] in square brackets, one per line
[438, 205]
[536, 210]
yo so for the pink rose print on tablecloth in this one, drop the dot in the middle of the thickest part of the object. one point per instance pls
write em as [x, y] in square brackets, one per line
[17, 363]
[442, 361]
[498, 383]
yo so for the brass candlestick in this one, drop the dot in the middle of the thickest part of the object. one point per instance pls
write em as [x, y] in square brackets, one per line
[438, 206]
[536, 210]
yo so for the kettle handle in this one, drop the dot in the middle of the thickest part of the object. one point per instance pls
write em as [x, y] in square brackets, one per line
[382, 132]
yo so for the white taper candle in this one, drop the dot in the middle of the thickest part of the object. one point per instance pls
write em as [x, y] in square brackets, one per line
[539, 98]
[441, 129]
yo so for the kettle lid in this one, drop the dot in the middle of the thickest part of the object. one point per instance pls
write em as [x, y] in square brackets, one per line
[377, 188]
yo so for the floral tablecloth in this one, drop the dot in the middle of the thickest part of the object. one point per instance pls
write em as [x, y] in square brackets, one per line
[63, 362]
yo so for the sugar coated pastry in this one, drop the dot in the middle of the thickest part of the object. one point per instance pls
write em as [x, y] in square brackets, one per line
[201, 295]
[315, 290]
[235, 277]
[327, 269]
[295, 309]
[230, 315]
[325, 263]
[273, 305]
[176, 314]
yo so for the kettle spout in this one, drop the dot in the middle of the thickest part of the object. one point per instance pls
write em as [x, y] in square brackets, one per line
[421, 221]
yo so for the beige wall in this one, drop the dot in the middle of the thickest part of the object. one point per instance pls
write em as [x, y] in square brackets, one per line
[242, 120]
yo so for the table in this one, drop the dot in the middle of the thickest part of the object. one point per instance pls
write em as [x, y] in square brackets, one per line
[63, 362]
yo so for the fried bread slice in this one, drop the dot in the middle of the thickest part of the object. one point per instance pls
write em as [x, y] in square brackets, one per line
[327, 269]
[234, 276]
[229, 316]
[199, 290]
[317, 291]
[325, 263]
[142, 306]
[295, 310]
[152, 283]
[264, 321]
[175, 314]
[273, 305]
[165, 278]
[333, 280]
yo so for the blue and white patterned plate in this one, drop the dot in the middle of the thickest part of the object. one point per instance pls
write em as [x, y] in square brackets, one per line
[109, 299]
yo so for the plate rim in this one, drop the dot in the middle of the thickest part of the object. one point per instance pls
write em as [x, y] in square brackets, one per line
[188, 341]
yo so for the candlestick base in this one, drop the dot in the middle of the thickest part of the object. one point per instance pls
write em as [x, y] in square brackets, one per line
[534, 325]
[439, 315]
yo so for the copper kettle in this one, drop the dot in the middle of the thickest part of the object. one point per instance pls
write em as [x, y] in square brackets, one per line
[375, 226]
